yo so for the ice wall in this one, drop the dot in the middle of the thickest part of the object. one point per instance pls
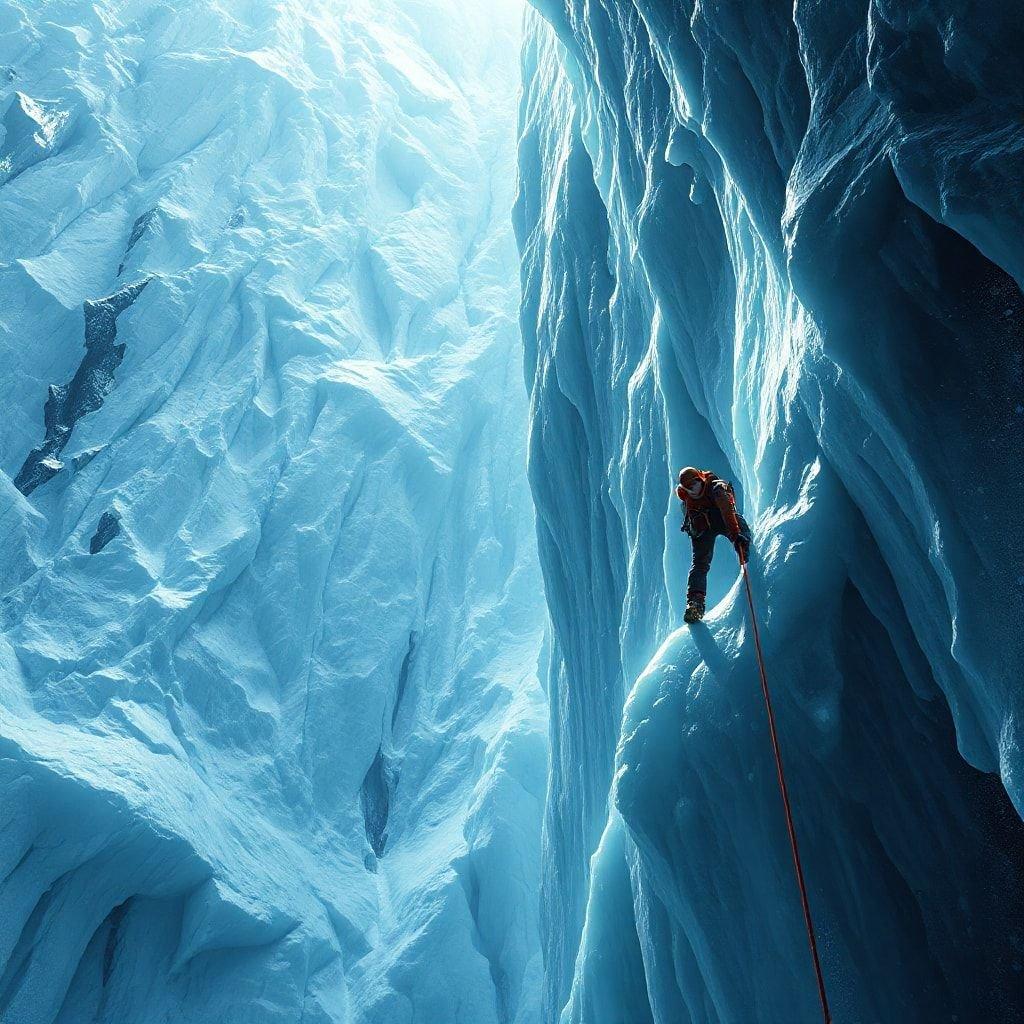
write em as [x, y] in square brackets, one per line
[271, 734]
[781, 241]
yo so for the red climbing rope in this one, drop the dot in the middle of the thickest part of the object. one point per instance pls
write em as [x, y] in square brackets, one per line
[785, 797]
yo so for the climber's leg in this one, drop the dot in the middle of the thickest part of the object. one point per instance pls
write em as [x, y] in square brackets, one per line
[697, 583]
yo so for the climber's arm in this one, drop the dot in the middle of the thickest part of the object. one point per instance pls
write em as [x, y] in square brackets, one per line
[726, 503]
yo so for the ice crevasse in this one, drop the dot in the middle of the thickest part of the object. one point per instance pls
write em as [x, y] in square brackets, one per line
[272, 739]
[310, 611]
[782, 242]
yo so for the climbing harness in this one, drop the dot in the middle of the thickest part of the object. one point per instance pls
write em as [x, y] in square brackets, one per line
[785, 795]
[697, 520]
[697, 523]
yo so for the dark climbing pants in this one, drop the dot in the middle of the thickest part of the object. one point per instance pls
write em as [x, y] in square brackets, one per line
[704, 550]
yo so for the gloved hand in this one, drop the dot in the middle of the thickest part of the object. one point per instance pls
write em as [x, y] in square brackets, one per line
[742, 546]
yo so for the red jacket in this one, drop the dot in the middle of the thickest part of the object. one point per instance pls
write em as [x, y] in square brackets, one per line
[716, 494]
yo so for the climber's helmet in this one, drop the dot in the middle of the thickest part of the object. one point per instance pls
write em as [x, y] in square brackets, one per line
[691, 481]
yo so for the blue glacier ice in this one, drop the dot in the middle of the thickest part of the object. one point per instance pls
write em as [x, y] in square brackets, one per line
[348, 352]
[782, 241]
[272, 735]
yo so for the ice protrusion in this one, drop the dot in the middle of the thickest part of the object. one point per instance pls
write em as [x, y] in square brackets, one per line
[30, 131]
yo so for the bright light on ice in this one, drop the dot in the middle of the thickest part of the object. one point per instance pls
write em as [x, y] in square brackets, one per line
[273, 738]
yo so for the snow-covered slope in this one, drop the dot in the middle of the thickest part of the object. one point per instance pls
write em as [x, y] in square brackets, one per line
[783, 242]
[271, 736]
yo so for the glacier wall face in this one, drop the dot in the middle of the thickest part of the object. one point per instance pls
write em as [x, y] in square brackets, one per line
[782, 242]
[272, 741]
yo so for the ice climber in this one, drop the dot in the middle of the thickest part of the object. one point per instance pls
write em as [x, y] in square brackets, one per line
[709, 510]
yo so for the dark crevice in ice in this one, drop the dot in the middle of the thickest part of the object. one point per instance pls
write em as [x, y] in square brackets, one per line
[107, 529]
[403, 679]
[138, 230]
[375, 801]
[67, 403]
[110, 947]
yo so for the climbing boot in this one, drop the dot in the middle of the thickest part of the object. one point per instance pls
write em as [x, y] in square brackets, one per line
[694, 610]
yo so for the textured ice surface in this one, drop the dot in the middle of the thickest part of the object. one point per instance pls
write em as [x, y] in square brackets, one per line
[271, 736]
[782, 241]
